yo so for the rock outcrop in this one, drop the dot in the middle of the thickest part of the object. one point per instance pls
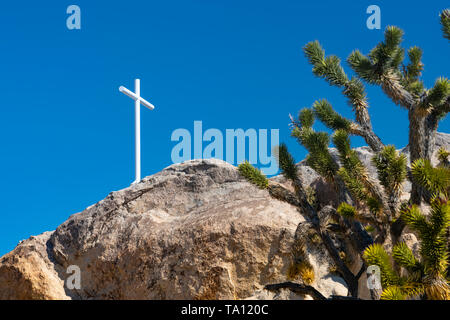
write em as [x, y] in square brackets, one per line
[196, 230]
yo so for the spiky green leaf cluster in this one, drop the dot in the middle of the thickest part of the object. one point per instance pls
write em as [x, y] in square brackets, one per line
[387, 55]
[415, 219]
[306, 118]
[415, 67]
[376, 255]
[443, 157]
[442, 110]
[391, 169]
[404, 257]
[435, 242]
[432, 234]
[253, 175]
[396, 286]
[319, 157]
[355, 187]
[326, 114]
[445, 22]
[353, 172]
[384, 66]
[393, 293]
[346, 210]
[439, 93]
[348, 157]
[328, 68]
[356, 93]
[412, 72]
[286, 162]
[363, 67]
[323, 164]
[436, 180]
[374, 205]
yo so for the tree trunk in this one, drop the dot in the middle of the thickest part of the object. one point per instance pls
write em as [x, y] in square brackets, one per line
[417, 140]
[422, 139]
[431, 125]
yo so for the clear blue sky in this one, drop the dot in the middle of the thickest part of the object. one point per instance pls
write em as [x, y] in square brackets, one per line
[67, 133]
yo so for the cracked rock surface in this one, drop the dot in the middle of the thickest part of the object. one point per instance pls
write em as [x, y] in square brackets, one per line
[195, 230]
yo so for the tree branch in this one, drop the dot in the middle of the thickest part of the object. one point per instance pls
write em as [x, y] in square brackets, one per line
[297, 288]
[305, 290]
[279, 192]
[367, 133]
[390, 84]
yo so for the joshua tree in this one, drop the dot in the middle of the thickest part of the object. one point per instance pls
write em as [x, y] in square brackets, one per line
[424, 277]
[384, 66]
[363, 199]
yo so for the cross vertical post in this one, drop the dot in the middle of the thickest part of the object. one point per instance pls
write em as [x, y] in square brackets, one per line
[137, 130]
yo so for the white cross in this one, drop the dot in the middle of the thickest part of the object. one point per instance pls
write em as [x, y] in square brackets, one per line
[136, 96]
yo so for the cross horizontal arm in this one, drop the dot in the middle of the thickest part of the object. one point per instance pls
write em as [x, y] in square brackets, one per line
[133, 96]
[147, 104]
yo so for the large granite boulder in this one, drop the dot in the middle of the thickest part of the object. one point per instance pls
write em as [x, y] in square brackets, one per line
[195, 230]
